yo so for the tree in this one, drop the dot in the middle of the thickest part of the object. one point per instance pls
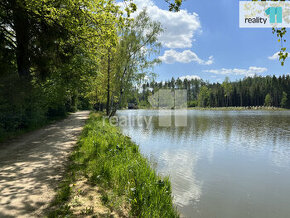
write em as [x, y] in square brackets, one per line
[26, 21]
[133, 56]
[203, 97]
[284, 100]
[50, 55]
[268, 100]
[228, 89]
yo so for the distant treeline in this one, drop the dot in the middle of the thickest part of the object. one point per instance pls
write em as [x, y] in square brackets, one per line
[251, 91]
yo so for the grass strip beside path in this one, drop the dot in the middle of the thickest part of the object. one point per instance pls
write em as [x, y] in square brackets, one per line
[113, 163]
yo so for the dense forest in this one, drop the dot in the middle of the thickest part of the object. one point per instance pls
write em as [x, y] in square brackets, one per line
[251, 91]
[60, 56]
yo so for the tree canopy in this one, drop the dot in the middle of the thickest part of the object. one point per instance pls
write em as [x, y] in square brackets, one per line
[57, 56]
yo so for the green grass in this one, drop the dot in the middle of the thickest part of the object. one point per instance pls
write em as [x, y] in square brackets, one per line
[113, 162]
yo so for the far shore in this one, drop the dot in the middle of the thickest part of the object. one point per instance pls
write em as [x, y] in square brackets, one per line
[221, 108]
[239, 108]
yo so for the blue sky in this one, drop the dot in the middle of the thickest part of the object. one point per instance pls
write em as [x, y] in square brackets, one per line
[204, 40]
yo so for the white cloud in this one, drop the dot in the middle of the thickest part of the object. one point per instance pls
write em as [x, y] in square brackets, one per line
[180, 27]
[171, 56]
[189, 77]
[240, 72]
[274, 56]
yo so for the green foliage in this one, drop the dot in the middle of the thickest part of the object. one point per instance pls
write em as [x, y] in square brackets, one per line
[284, 100]
[193, 103]
[280, 35]
[250, 91]
[128, 62]
[203, 97]
[268, 100]
[52, 53]
[227, 89]
[175, 6]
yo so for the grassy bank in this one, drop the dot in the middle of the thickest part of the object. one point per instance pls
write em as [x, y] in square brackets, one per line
[112, 162]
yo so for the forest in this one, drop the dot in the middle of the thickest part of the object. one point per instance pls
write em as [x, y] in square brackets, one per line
[60, 56]
[250, 91]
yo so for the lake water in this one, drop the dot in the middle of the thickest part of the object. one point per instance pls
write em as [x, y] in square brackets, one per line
[223, 164]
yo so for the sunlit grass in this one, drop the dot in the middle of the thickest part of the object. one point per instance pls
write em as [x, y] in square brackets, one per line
[113, 162]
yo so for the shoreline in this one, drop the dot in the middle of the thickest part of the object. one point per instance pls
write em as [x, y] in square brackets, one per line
[109, 164]
[249, 108]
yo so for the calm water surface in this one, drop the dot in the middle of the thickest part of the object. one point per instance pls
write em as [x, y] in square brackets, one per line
[224, 164]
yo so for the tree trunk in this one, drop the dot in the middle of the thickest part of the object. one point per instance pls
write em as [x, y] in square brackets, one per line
[21, 28]
[108, 86]
[119, 103]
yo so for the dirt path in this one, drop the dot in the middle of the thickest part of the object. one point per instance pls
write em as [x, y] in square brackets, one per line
[31, 166]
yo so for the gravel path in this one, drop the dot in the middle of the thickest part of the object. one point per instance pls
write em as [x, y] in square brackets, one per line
[32, 165]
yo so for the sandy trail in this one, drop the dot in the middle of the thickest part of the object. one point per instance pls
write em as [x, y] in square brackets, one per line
[32, 165]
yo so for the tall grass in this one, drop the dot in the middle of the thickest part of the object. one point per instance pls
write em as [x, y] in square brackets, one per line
[113, 162]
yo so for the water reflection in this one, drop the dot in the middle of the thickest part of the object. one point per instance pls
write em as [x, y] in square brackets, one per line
[252, 125]
[222, 163]
[181, 167]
